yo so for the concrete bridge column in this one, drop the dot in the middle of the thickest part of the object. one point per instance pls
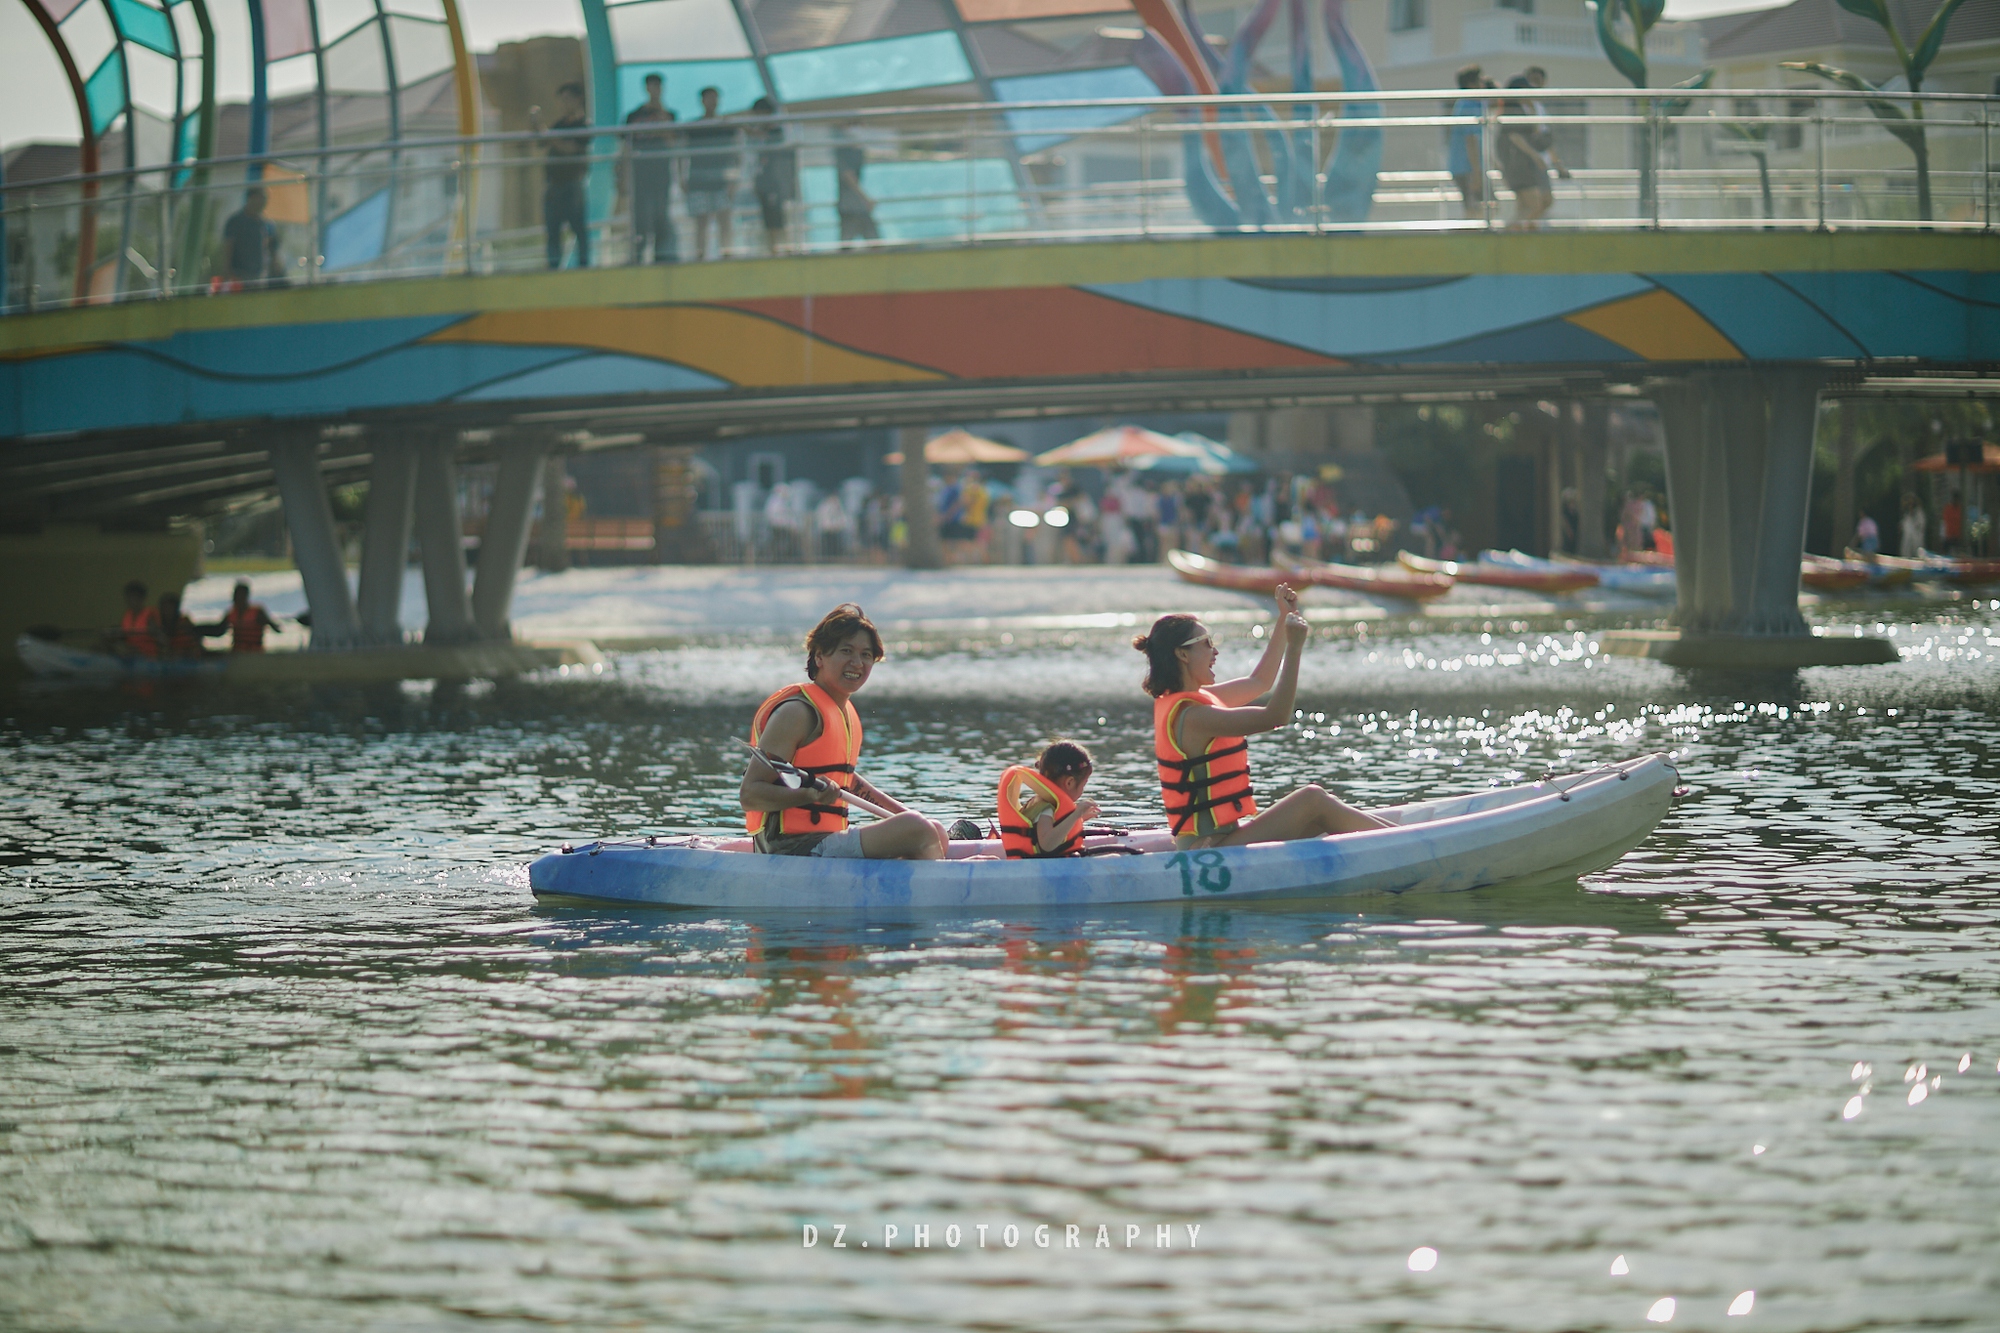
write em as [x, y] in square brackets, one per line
[441, 536]
[385, 542]
[506, 541]
[315, 544]
[1593, 446]
[1739, 474]
[922, 548]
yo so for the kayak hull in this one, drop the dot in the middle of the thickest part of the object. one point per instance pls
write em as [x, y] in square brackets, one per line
[1555, 829]
[1219, 574]
[1555, 581]
[1382, 581]
[53, 661]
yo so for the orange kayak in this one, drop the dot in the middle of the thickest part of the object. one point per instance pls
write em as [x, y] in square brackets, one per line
[1218, 574]
[1526, 579]
[1377, 580]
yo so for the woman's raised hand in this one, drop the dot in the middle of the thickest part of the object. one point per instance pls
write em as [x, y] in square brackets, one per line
[1288, 600]
[1296, 630]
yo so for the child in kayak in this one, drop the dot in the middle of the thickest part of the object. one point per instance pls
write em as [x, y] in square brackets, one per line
[1198, 728]
[1042, 810]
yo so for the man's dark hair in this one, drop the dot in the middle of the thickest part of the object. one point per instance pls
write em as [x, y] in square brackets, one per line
[1531, 71]
[135, 589]
[1519, 81]
[572, 90]
[834, 629]
[654, 78]
[712, 89]
[1469, 76]
[764, 106]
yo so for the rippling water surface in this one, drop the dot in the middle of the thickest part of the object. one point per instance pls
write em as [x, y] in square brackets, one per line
[286, 1043]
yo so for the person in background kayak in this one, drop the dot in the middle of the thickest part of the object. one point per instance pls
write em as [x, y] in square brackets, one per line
[244, 622]
[814, 727]
[180, 637]
[1198, 728]
[138, 633]
[1042, 810]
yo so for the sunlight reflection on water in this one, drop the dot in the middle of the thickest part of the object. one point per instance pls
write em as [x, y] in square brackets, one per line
[287, 1043]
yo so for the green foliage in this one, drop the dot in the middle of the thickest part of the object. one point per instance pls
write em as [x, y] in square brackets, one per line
[1629, 61]
[1929, 44]
[1891, 115]
[1868, 9]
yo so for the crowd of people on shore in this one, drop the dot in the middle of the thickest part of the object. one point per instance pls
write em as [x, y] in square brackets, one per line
[163, 632]
[1072, 517]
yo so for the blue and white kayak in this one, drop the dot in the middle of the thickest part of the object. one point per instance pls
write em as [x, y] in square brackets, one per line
[55, 661]
[1557, 828]
[1640, 580]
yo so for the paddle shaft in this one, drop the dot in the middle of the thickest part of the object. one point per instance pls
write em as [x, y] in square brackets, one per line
[785, 770]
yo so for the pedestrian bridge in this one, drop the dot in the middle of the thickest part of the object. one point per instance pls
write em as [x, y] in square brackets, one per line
[696, 350]
[1733, 297]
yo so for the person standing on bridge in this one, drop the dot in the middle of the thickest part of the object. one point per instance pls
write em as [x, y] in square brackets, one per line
[562, 176]
[712, 152]
[650, 155]
[250, 245]
[777, 177]
[1464, 151]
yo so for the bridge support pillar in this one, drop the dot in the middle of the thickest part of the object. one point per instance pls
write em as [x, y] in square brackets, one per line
[385, 542]
[315, 544]
[441, 536]
[1593, 447]
[506, 540]
[1739, 474]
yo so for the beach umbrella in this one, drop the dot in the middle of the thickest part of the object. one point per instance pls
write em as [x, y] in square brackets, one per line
[1115, 446]
[1209, 459]
[1971, 456]
[957, 446]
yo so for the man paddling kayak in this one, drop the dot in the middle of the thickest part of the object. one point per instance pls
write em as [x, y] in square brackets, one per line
[1198, 728]
[813, 727]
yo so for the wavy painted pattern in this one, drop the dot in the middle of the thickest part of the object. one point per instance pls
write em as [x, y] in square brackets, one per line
[1148, 327]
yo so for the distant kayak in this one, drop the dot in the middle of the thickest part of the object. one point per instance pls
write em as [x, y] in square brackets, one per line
[1639, 580]
[1882, 571]
[1559, 828]
[1935, 568]
[1218, 574]
[1491, 570]
[1377, 580]
[52, 661]
[1823, 574]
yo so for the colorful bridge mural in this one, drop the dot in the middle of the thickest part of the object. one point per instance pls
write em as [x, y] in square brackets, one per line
[1154, 309]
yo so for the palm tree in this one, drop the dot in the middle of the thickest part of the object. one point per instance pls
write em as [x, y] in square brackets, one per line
[1909, 127]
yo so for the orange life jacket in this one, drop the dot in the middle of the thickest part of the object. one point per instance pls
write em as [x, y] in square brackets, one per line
[832, 755]
[246, 631]
[142, 631]
[1023, 795]
[184, 639]
[1210, 789]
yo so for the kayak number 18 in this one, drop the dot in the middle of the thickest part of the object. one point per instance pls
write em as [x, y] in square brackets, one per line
[1204, 868]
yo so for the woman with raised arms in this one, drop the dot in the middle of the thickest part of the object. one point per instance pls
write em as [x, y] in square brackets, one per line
[1198, 728]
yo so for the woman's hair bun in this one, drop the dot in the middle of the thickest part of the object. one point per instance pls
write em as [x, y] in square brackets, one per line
[1143, 642]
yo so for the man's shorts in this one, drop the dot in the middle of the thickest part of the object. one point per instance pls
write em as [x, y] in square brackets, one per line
[846, 843]
[703, 203]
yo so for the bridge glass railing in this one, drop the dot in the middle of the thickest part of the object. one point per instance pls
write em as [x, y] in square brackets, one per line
[1040, 172]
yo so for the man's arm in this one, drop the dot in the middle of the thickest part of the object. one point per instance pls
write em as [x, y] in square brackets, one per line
[791, 725]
